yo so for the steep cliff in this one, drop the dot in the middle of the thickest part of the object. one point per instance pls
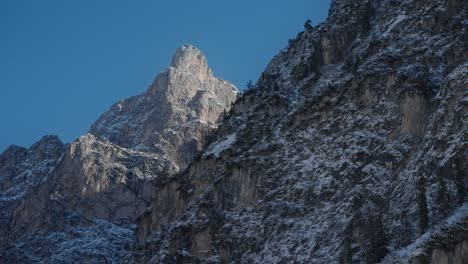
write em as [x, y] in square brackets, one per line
[174, 115]
[351, 148]
[78, 202]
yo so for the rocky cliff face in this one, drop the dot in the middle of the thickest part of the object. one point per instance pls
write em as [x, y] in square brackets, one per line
[352, 148]
[181, 107]
[78, 202]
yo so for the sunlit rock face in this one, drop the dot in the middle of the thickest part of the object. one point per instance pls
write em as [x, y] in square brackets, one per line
[79, 202]
[351, 148]
[172, 118]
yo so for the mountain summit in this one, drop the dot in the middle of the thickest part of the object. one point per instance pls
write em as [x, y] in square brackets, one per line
[190, 58]
[175, 114]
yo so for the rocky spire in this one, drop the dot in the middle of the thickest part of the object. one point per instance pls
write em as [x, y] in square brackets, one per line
[191, 59]
[182, 105]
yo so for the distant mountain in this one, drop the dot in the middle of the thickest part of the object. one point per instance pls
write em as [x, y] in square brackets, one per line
[78, 202]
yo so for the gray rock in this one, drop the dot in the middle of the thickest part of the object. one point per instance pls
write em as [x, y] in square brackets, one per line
[351, 148]
[175, 114]
[56, 197]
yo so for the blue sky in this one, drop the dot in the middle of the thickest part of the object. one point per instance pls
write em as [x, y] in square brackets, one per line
[63, 63]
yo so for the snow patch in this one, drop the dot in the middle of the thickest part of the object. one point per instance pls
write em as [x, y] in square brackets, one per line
[219, 147]
[395, 22]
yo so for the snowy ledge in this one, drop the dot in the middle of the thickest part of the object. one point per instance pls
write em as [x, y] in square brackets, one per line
[221, 145]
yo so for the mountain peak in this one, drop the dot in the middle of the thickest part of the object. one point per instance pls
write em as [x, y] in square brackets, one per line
[190, 58]
[179, 108]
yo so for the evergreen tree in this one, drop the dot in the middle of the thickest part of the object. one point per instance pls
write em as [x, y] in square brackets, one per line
[249, 85]
[308, 25]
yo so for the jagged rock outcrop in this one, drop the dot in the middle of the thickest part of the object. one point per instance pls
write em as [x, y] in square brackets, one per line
[181, 107]
[352, 148]
[79, 202]
[23, 169]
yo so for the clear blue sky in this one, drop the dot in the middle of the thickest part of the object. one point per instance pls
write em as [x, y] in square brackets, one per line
[63, 63]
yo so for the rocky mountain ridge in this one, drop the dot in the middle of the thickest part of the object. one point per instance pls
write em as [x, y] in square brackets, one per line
[351, 148]
[56, 196]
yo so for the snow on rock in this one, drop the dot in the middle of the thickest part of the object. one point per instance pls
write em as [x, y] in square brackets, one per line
[351, 147]
[76, 202]
[173, 117]
[218, 147]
